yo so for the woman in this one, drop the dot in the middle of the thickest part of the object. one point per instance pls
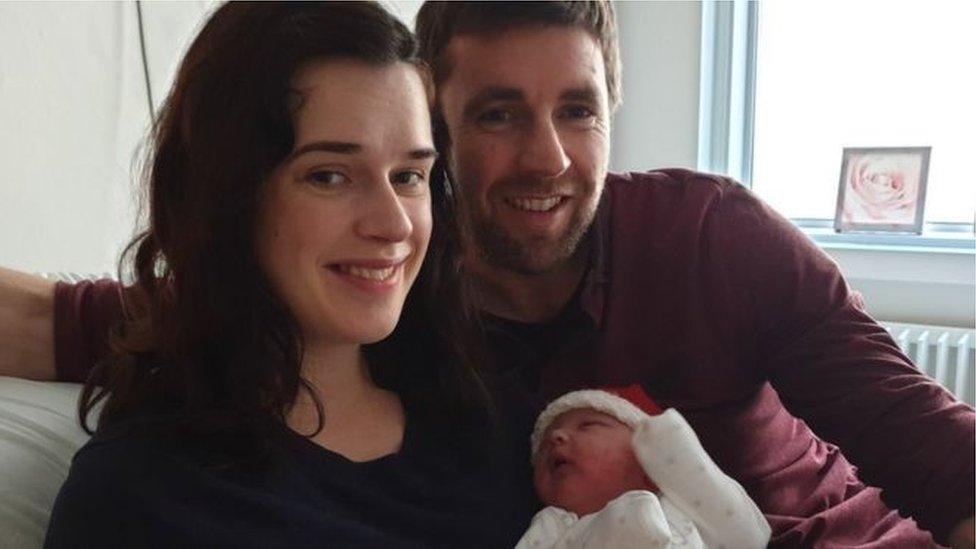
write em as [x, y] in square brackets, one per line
[259, 395]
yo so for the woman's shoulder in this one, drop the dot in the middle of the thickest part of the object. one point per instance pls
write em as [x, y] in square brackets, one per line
[100, 499]
[113, 464]
[144, 455]
[133, 437]
[135, 482]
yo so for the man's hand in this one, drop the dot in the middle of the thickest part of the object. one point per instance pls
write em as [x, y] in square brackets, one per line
[963, 534]
[26, 326]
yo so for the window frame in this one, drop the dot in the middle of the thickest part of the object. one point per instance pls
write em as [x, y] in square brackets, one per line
[729, 49]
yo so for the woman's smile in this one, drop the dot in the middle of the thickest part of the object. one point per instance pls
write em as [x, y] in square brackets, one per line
[375, 275]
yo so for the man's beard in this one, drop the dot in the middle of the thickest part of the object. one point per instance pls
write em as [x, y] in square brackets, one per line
[496, 247]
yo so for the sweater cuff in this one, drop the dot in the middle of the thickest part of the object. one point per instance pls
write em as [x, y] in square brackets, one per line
[83, 314]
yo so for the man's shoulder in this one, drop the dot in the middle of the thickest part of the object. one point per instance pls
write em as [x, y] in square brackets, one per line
[670, 180]
[666, 198]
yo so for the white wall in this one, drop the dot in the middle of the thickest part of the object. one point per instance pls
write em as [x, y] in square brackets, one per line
[657, 125]
[913, 287]
[406, 10]
[73, 108]
[170, 27]
[73, 114]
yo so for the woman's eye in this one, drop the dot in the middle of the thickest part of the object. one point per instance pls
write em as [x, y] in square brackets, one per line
[408, 178]
[326, 178]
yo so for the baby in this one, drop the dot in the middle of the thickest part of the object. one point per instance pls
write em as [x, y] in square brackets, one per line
[617, 475]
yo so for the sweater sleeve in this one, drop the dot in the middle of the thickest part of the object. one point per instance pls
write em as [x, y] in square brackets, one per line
[83, 314]
[675, 461]
[834, 367]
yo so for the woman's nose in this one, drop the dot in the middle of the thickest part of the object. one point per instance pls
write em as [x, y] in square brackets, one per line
[384, 216]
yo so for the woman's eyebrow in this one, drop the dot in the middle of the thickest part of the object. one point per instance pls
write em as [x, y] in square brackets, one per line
[341, 147]
[423, 153]
[346, 147]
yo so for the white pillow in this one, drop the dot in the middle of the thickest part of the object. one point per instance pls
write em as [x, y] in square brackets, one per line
[39, 433]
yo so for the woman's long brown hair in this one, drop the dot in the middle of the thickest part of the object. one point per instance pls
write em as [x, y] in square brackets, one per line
[205, 343]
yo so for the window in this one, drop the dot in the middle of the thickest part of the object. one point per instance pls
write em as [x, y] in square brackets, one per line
[788, 85]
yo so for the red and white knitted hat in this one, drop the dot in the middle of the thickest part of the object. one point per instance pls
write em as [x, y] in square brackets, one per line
[628, 404]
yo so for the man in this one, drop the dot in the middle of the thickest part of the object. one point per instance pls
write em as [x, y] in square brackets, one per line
[680, 282]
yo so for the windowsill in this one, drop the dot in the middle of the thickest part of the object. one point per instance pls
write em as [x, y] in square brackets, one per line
[929, 242]
[936, 238]
[927, 279]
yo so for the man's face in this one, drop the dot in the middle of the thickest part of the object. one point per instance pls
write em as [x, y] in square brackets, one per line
[529, 127]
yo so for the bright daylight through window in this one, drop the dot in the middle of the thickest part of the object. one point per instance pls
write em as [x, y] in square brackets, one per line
[864, 74]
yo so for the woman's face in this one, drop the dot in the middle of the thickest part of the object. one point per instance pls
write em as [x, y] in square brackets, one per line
[345, 220]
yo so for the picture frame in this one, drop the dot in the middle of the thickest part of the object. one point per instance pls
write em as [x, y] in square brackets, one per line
[882, 189]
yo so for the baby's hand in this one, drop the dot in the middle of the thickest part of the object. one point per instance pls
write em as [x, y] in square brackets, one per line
[671, 455]
[665, 444]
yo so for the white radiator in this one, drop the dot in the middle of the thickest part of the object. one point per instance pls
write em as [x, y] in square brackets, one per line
[947, 355]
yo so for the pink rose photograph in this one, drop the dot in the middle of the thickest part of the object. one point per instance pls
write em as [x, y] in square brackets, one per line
[882, 189]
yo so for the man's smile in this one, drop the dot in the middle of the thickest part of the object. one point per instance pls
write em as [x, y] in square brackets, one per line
[535, 204]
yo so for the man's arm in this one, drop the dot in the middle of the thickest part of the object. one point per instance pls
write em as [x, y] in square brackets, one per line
[55, 330]
[26, 326]
[834, 367]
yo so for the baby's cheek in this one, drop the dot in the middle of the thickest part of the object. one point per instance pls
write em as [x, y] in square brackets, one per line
[562, 491]
[543, 485]
[637, 478]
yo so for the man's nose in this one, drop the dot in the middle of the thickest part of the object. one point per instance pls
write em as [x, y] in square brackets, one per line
[383, 216]
[543, 155]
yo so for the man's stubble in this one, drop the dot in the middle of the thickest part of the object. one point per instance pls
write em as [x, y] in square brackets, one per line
[497, 247]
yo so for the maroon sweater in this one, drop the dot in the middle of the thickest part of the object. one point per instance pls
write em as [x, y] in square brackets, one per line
[722, 309]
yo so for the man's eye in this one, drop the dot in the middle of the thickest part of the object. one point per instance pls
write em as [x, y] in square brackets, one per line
[578, 112]
[326, 178]
[495, 116]
[408, 178]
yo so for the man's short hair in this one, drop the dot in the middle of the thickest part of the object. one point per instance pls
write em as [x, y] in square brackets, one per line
[439, 22]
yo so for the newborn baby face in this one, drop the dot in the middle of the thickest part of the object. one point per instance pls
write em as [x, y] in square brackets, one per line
[585, 461]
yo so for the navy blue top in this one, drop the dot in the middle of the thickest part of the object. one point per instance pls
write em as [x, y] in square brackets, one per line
[141, 490]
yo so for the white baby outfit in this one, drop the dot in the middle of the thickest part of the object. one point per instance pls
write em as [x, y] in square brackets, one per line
[698, 506]
[636, 519]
